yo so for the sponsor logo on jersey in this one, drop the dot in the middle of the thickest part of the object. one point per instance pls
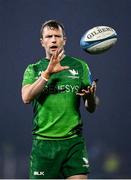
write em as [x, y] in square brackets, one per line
[61, 88]
[69, 88]
[39, 173]
[39, 74]
[86, 162]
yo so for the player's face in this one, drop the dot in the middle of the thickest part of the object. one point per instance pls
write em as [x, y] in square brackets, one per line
[52, 40]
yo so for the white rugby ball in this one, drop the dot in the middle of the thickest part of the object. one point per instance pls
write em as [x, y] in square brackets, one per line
[98, 39]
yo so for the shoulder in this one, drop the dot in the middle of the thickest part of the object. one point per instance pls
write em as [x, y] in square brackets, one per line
[80, 61]
[35, 65]
[77, 59]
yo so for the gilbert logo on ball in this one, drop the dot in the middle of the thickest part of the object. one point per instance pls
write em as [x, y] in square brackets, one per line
[98, 39]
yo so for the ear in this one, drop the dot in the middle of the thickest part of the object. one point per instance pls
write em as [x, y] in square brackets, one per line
[42, 43]
[65, 39]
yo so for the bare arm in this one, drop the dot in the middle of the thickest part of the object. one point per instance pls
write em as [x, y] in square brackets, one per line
[30, 91]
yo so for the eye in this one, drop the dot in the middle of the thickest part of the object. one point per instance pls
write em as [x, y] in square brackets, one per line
[49, 36]
[57, 36]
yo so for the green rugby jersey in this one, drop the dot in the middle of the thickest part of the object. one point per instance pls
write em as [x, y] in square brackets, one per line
[56, 109]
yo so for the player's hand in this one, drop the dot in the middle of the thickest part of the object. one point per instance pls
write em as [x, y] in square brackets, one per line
[54, 64]
[90, 91]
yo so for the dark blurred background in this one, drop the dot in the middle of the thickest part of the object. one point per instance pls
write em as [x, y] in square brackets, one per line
[107, 131]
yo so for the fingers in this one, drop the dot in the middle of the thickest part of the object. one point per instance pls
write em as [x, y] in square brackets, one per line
[90, 90]
[83, 92]
[65, 67]
[80, 94]
[93, 86]
[58, 54]
[94, 83]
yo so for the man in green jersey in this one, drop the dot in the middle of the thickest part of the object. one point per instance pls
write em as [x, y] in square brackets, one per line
[55, 85]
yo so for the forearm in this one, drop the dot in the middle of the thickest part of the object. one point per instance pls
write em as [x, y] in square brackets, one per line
[90, 103]
[30, 91]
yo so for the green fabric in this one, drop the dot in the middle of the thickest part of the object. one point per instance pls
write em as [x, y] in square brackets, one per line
[58, 159]
[56, 109]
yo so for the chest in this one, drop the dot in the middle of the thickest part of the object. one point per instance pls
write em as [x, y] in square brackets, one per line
[69, 80]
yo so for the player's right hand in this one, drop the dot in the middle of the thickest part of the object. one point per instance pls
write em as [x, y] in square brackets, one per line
[54, 64]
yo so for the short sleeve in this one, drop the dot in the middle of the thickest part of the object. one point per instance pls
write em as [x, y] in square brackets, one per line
[29, 75]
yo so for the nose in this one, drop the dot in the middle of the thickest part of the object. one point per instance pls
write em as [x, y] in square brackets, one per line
[53, 39]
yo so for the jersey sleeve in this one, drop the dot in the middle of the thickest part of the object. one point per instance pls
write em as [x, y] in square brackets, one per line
[29, 75]
[86, 78]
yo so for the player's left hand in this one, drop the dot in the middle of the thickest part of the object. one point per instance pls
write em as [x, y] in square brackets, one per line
[89, 91]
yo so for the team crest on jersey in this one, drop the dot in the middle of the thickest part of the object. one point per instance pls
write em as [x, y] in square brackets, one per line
[74, 74]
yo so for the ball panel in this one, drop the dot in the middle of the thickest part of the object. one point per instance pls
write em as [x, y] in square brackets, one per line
[99, 32]
[102, 46]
